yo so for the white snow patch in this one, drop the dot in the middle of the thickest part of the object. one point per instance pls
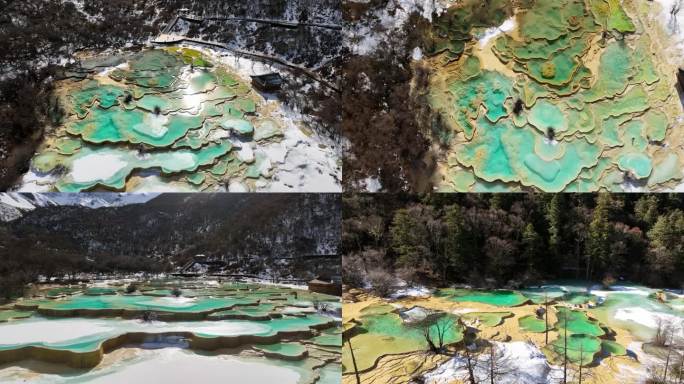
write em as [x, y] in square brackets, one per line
[170, 366]
[246, 153]
[96, 167]
[363, 38]
[237, 187]
[648, 318]
[674, 26]
[371, 184]
[417, 54]
[69, 330]
[640, 291]
[458, 311]
[494, 32]
[527, 364]
[15, 200]
[419, 291]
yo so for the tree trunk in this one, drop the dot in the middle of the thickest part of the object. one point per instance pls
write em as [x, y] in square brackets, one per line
[546, 318]
[565, 350]
[578, 258]
[588, 268]
[491, 363]
[356, 370]
[471, 373]
[580, 364]
[667, 363]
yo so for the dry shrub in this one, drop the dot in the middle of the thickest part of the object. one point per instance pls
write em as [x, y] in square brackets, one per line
[381, 281]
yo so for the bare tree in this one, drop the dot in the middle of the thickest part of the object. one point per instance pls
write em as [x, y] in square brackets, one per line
[347, 336]
[674, 12]
[581, 360]
[546, 317]
[435, 327]
[497, 362]
[562, 320]
[663, 328]
[680, 370]
[470, 364]
[670, 344]
[671, 370]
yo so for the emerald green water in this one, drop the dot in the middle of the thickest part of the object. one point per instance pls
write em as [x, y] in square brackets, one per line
[330, 374]
[100, 291]
[392, 325]
[636, 313]
[328, 340]
[382, 333]
[580, 348]
[23, 328]
[531, 323]
[10, 314]
[626, 308]
[55, 292]
[576, 322]
[562, 123]
[540, 295]
[499, 298]
[613, 348]
[95, 331]
[145, 303]
[487, 319]
[255, 311]
[283, 349]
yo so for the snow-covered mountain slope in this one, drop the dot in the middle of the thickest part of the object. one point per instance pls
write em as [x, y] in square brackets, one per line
[291, 234]
[13, 204]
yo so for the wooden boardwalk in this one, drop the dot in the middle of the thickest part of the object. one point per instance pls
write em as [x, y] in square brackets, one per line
[166, 39]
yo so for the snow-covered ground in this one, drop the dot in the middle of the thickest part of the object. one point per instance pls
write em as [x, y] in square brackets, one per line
[674, 26]
[364, 37]
[301, 162]
[650, 319]
[69, 331]
[521, 363]
[284, 285]
[639, 291]
[169, 366]
[416, 291]
[494, 32]
[14, 204]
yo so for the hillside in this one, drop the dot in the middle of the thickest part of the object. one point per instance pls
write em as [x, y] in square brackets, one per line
[251, 232]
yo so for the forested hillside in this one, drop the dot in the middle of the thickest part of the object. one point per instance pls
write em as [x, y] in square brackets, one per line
[514, 239]
[255, 233]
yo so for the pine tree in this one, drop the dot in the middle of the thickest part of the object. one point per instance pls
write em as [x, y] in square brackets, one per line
[532, 245]
[598, 242]
[667, 244]
[646, 209]
[555, 217]
[409, 238]
[454, 232]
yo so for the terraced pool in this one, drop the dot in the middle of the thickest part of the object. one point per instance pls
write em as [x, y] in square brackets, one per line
[84, 330]
[568, 95]
[177, 116]
[591, 323]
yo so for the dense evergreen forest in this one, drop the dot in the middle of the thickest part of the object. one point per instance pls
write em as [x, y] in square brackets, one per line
[509, 240]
